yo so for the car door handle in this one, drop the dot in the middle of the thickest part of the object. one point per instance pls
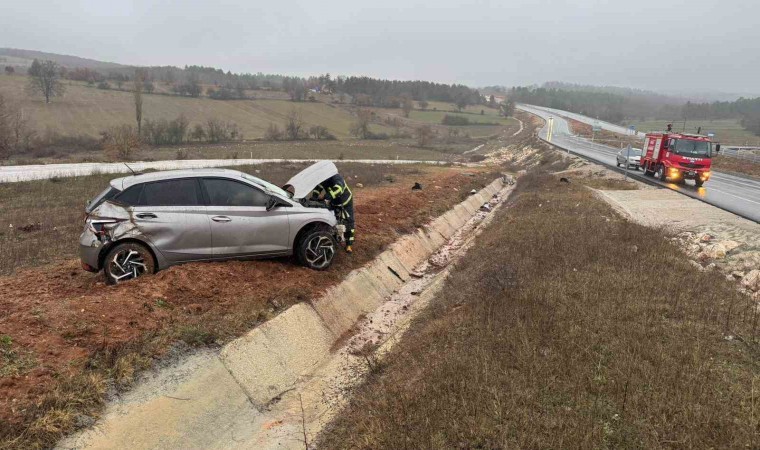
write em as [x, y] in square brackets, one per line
[147, 216]
[221, 219]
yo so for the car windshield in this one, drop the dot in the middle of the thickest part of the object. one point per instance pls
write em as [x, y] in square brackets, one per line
[267, 185]
[687, 147]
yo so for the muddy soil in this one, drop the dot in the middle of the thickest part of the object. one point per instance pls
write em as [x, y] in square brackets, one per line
[62, 317]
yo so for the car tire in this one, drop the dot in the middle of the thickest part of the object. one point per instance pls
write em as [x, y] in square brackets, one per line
[316, 249]
[660, 173]
[126, 262]
[698, 183]
[617, 163]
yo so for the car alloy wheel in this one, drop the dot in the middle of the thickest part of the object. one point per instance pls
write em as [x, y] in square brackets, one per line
[319, 251]
[126, 262]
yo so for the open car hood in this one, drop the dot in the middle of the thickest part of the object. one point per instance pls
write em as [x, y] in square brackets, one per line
[305, 181]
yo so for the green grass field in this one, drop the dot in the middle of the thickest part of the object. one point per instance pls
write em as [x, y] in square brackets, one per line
[88, 110]
[727, 131]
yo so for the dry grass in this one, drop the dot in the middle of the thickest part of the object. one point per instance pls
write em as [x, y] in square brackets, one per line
[40, 221]
[736, 165]
[86, 110]
[582, 331]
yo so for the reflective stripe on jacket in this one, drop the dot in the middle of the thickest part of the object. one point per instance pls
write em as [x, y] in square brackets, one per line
[336, 190]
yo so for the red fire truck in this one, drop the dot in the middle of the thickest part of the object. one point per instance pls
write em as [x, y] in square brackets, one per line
[678, 157]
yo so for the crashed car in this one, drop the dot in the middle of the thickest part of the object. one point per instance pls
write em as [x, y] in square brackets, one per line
[144, 223]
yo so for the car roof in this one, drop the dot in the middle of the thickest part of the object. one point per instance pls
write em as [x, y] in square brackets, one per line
[125, 182]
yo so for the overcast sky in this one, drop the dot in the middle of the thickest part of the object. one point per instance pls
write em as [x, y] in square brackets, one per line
[697, 45]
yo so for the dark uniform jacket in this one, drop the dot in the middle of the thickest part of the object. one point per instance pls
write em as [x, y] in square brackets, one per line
[336, 190]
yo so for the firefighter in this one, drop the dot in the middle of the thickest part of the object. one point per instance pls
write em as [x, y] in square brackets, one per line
[341, 199]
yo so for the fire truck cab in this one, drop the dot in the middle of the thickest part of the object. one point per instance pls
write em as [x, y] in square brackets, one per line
[678, 157]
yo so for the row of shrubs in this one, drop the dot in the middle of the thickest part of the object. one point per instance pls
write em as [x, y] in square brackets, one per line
[452, 120]
[179, 131]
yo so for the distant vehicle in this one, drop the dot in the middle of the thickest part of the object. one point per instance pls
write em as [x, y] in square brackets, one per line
[143, 223]
[678, 157]
[634, 158]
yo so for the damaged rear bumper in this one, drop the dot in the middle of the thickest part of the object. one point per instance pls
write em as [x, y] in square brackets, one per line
[89, 251]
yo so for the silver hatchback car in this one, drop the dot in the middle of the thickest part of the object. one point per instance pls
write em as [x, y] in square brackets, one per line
[634, 158]
[144, 223]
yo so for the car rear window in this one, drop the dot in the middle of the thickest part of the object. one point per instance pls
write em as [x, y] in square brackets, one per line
[107, 194]
[182, 192]
[131, 196]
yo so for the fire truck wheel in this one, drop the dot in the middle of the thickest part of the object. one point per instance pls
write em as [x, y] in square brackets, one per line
[660, 173]
[698, 182]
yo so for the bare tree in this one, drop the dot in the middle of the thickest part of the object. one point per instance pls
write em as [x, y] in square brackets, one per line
[294, 125]
[273, 133]
[22, 133]
[462, 102]
[424, 135]
[138, 91]
[9, 70]
[396, 123]
[360, 128]
[16, 134]
[121, 142]
[507, 107]
[5, 129]
[45, 78]
[198, 132]
[407, 105]
[423, 104]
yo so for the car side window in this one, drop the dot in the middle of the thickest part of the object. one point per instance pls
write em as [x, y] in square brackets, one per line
[223, 192]
[182, 192]
[131, 196]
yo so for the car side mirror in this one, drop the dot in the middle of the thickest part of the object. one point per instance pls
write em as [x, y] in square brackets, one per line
[274, 202]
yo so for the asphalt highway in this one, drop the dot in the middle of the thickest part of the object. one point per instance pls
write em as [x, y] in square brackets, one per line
[738, 195]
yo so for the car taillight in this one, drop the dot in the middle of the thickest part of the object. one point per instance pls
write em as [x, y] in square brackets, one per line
[97, 225]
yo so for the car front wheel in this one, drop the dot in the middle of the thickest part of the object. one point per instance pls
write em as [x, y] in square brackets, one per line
[660, 173]
[127, 261]
[316, 249]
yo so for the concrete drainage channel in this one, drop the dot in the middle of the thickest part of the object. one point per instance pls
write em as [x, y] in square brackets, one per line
[279, 384]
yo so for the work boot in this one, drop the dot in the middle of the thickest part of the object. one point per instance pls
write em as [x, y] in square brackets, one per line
[349, 249]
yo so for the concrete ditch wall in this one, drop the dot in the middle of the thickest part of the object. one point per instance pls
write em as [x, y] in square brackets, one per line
[273, 357]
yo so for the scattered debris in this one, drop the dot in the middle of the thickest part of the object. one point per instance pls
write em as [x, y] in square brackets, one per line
[473, 192]
[564, 180]
[417, 187]
[28, 228]
[486, 207]
[359, 185]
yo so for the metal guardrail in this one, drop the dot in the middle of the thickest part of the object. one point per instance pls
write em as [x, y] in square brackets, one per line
[745, 153]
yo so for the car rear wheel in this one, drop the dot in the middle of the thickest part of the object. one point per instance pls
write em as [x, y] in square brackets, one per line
[127, 261]
[316, 249]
